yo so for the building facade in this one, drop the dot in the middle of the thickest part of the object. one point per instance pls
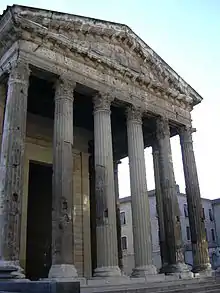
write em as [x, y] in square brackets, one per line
[211, 214]
[77, 95]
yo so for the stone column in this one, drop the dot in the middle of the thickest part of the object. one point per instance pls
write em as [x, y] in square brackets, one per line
[118, 219]
[201, 260]
[2, 105]
[12, 169]
[159, 206]
[139, 197]
[107, 252]
[170, 203]
[62, 201]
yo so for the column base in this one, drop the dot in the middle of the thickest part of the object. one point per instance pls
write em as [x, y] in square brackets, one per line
[62, 271]
[10, 270]
[176, 268]
[201, 268]
[144, 271]
[204, 271]
[217, 272]
[106, 272]
[162, 270]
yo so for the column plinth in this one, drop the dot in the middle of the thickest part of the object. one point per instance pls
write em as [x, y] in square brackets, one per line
[106, 232]
[201, 261]
[12, 170]
[175, 255]
[139, 197]
[62, 201]
[159, 207]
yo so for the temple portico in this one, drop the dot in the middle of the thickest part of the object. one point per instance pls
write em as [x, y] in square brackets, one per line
[77, 96]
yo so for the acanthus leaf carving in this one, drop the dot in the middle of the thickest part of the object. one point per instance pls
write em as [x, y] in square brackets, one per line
[65, 88]
[134, 114]
[162, 128]
[19, 71]
[102, 101]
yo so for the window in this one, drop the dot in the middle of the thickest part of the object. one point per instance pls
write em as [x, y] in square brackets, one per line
[211, 215]
[213, 235]
[203, 213]
[124, 245]
[122, 218]
[186, 211]
[206, 235]
[188, 233]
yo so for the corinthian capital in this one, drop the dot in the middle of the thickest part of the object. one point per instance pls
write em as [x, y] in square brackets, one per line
[65, 88]
[19, 72]
[134, 114]
[102, 102]
[162, 128]
[185, 133]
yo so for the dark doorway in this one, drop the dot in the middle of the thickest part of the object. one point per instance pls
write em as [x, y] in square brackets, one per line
[39, 221]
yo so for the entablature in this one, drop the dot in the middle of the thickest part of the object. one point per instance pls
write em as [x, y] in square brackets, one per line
[57, 63]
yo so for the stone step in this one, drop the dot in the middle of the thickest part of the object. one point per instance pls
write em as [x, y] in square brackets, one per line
[188, 286]
[199, 289]
[206, 289]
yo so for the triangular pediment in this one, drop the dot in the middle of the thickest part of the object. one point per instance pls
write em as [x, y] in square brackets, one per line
[105, 39]
[113, 44]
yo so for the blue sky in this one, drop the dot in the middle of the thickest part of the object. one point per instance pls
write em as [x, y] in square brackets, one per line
[185, 34]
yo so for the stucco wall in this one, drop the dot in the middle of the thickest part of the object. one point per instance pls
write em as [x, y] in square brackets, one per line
[216, 209]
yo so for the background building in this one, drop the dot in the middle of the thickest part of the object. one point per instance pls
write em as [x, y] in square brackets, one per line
[211, 214]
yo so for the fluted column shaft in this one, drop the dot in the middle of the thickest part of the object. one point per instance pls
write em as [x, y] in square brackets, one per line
[2, 105]
[107, 252]
[12, 165]
[170, 203]
[139, 196]
[62, 201]
[201, 260]
[118, 218]
[159, 206]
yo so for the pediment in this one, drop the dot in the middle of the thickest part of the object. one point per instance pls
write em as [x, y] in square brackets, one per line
[105, 39]
[113, 44]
